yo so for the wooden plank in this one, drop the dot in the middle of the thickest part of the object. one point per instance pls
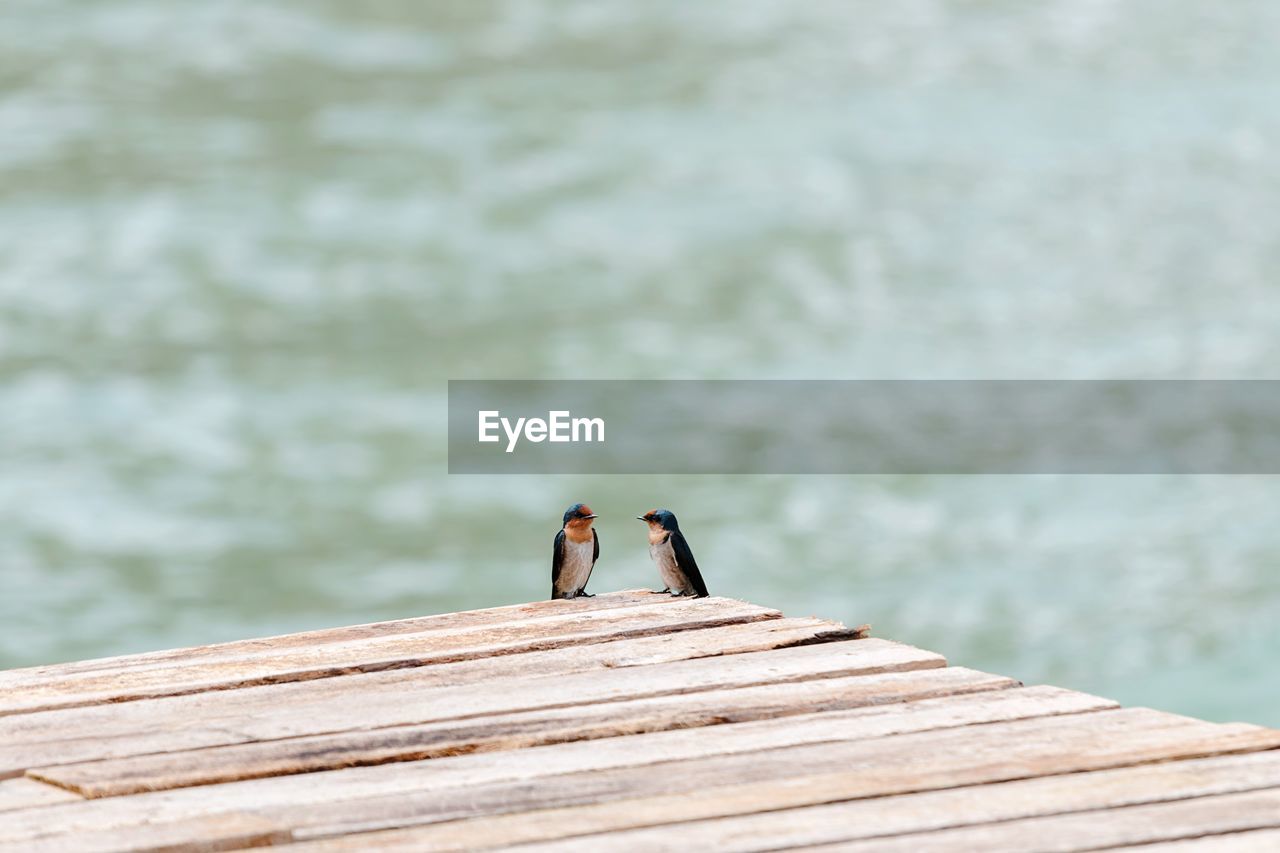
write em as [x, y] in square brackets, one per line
[576, 828]
[613, 654]
[536, 762]
[267, 665]
[231, 831]
[29, 676]
[867, 768]
[636, 726]
[28, 793]
[1255, 841]
[510, 731]
[626, 768]
[1125, 826]
[138, 728]
[374, 687]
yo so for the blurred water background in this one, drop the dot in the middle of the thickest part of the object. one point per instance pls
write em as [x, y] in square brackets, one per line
[243, 246]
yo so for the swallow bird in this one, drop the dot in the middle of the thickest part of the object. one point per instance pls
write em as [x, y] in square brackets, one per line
[668, 548]
[576, 550]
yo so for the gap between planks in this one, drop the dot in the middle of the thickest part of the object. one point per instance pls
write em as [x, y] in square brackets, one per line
[650, 824]
[510, 731]
[447, 789]
[1139, 824]
[208, 720]
[266, 665]
[466, 618]
[826, 771]
[615, 653]
[273, 798]
[988, 751]
[1255, 841]
[813, 773]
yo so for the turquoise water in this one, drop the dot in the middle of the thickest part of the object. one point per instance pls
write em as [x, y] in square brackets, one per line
[243, 247]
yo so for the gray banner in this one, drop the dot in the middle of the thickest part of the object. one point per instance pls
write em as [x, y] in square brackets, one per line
[864, 427]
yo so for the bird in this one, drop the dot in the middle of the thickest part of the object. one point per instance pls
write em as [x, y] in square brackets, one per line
[577, 548]
[668, 548]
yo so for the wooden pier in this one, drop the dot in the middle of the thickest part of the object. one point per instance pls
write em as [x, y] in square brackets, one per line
[628, 721]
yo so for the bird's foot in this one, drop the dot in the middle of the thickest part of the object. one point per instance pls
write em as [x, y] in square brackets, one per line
[660, 591]
[582, 593]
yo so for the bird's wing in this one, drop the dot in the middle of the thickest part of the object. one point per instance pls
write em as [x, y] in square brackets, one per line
[557, 559]
[595, 555]
[688, 565]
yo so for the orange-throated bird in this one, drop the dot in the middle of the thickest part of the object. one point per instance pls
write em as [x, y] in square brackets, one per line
[668, 548]
[576, 551]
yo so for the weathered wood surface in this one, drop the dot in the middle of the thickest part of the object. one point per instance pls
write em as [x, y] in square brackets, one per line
[1132, 825]
[770, 779]
[406, 742]
[1255, 841]
[663, 648]
[246, 668]
[138, 728]
[311, 639]
[835, 820]
[27, 793]
[628, 721]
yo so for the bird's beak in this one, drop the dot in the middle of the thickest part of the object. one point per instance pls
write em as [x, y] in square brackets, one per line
[641, 518]
[593, 515]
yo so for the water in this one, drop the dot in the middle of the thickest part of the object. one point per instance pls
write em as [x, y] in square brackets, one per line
[242, 247]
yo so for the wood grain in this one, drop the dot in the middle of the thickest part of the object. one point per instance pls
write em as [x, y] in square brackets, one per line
[624, 722]
[532, 764]
[269, 664]
[230, 831]
[1255, 841]
[178, 769]
[842, 769]
[139, 728]
[501, 783]
[1123, 826]
[614, 654]
[28, 793]
[837, 821]
[28, 676]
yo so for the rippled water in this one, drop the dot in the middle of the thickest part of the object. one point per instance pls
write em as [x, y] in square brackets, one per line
[243, 245]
